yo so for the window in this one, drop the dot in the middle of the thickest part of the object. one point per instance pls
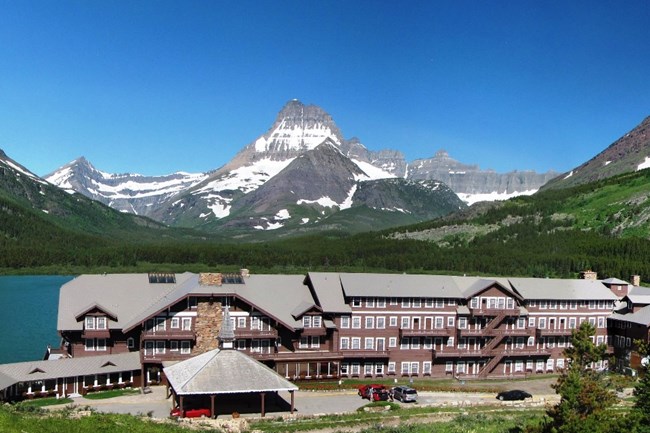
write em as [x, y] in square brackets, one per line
[563, 305]
[90, 322]
[345, 343]
[345, 322]
[381, 322]
[404, 343]
[185, 347]
[406, 302]
[367, 369]
[531, 341]
[392, 321]
[426, 367]
[460, 367]
[519, 343]
[315, 342]
[521, 322]
[356, 302]
[370, 302]
[543, 305]
[345, 369]
[592, 305]
[462, 343]
[356, 368]
[462, 322]
[450, 342]
[406, 322]
[552, 305]
[474, 302]
[540, 366]
[241, 322]
[191, 303]
[391, 367]
[356, 322]
[542, 322]
[255, 323]
[440, 303]
[510, 303]
[392, 342]
[439, 322]
[417, 302]
[356, 343]
[381, 303]
[175, 323]
[451, 302]
[601, 322]
[160, 347]
[379, 369]
[90, 344]
[160, 323]
[370, 322]
[101, 344]
[173, 346]
[549, 364]
[428, 303]
[560, 363]
[393, 301]
[304, 343]
[130, 343]
[519, 365]
[573, 305]
[450, 321]
[405, 367]
[306, 321]
[415, 368]
[369, 343]
[187, 323]
[572, 323]
[101, 322]
[449, 366]
[529, 365]
[241, 344]
[428, 343]
[415, 343]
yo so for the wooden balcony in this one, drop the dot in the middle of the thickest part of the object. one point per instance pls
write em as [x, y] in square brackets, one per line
[313, 355]
[461, 353]
[365, 353]
[256, 333]
[169, 334]
[167, 356]
[436, 332]
[508, 312]
[524, 351]
[551, 332]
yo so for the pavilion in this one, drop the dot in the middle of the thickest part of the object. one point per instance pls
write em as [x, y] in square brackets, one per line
[224, 371]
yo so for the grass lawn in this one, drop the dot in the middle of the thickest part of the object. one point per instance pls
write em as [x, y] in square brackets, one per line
[42, 402]
[100, 395]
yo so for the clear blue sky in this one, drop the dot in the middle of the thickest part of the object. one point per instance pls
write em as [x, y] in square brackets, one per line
[154, 87]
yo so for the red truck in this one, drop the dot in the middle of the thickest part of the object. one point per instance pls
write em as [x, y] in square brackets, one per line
[373, 392]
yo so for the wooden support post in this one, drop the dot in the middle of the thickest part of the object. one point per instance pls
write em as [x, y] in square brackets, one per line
[212, 414]
[263, 395]
[292, 401]
[180, 406]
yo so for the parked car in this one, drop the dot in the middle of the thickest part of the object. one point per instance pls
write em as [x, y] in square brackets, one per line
[190, 413]
[373, 392]
[514, 394]
[405, 394]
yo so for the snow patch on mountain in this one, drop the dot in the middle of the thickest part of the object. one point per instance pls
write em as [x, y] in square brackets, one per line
[470, 199]
[323, 201]
[287, 136]
[372, 172]
[644, 164]
[347, 203]
[247, 178]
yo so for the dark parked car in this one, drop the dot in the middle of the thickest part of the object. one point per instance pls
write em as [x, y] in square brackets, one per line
[515, 394]
[405, 393]
[190, 413]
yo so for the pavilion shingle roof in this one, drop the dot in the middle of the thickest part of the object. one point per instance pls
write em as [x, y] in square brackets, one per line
[224, 372]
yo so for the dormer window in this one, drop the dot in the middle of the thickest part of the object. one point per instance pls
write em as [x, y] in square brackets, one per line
[306, 321]
[100, 322]
[90, 322]
[316, 321]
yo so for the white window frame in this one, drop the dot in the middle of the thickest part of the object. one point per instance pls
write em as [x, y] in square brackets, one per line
[345, 322]
[175, 323]
[381, 322]
[392, 341]
[186, 347]
[356, 322]
[345, 343]
[370, 322]
[173, 346]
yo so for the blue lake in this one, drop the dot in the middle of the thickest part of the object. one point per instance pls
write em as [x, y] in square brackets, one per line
[28, 320]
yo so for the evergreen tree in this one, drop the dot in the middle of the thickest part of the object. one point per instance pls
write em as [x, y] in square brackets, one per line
[640, 416]
[584, 397]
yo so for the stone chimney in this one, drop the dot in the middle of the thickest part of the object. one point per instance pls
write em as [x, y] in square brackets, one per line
[210, 279]
[588, 275]
[635, 280]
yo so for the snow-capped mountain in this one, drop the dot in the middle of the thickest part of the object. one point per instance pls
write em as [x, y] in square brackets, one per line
[249, 182]
[131, 193]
